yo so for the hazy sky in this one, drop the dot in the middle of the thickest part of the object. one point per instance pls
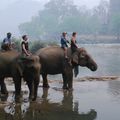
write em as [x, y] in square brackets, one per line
[9, 9]
[89, 3]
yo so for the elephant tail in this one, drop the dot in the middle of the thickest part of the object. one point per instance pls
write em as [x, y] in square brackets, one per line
[76, 70]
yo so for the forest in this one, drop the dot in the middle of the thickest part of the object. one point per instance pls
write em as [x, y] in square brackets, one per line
[63, 15]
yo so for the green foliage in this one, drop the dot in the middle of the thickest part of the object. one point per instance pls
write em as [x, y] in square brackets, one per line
[33, 45]
[115, 23]
[36, 45]
[62, 15]
[17, 44]
[59, 16]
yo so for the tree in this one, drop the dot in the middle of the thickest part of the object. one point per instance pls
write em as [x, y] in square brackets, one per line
[115, 24]
[114, 6]
[50, 19]
[62, 15]
[102, 14]
[115, 17]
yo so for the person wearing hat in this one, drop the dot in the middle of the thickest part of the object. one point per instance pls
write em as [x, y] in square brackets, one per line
[64, 42]
[6, 44]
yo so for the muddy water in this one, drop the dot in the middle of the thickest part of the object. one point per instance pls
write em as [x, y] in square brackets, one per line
[89, 101]
[95, 100]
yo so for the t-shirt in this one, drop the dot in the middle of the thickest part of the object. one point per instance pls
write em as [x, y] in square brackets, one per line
[7, 41]
[26, 45]
[63, 42]
[73, 46]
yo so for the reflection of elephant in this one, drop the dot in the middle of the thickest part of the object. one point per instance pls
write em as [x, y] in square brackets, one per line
[53, 62]
[12, 64]
[44, 110]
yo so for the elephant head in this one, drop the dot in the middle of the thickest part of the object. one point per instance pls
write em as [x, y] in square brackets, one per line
[29, 69]
[82, 58]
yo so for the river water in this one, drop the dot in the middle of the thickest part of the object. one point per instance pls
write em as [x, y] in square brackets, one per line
[107, 56]
[90, 100]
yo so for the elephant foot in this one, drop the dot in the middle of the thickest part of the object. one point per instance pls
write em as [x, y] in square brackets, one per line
[5, 93]
[46, 86]
[65, 87]
[70, 89]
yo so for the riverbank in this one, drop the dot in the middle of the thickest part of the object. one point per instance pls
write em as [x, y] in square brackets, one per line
[9, 81]
[97, 39]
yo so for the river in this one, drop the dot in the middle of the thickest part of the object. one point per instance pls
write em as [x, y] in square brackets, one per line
[90, 100]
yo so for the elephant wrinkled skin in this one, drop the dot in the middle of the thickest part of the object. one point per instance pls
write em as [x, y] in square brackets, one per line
[12, 64]
[53, 62]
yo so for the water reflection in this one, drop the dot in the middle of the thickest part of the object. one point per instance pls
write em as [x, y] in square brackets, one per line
[114, 89]
[14, 110]
[43, 109]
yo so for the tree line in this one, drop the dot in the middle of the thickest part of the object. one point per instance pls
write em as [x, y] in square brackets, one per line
[63, 15]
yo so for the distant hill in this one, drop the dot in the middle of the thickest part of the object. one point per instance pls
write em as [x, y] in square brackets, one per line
[18, 12]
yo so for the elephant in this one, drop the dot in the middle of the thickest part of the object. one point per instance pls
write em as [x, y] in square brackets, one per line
[13, 64]
[53, 62]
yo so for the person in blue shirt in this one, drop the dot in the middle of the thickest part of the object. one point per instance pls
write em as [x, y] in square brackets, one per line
[64, 43]
[6, 44]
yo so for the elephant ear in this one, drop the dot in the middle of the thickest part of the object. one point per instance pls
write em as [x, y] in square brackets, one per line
[22, 62]
[75, 59]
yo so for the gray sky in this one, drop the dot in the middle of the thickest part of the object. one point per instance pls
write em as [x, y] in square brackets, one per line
[88, 3]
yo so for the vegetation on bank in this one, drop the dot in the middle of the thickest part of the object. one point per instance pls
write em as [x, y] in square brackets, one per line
[33, 45]
[63, 15]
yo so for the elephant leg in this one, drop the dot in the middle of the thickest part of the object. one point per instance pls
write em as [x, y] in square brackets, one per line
[3, 87]
[64, 81]
[68, 77]
[70, 80]
[30, 87]
[36, 84]
[45, 93]
[45, 81]
[17, 82]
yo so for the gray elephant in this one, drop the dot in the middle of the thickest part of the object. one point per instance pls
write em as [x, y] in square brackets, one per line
[12, 64]
[53, 62]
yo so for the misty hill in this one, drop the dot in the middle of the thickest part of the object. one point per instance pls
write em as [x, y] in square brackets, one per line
[18, 12]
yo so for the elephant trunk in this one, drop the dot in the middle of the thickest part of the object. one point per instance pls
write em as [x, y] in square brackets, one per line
[76, 70]
[92, 65]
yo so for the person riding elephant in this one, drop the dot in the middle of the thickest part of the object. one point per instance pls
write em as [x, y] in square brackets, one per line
[7, 42]
[73, 42]
[64, 42]
[74, 48]
[12, 64]
[52, 62]
[25, 46]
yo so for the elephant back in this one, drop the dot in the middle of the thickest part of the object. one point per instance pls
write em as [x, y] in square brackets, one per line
[9, 55]
[54, 51]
